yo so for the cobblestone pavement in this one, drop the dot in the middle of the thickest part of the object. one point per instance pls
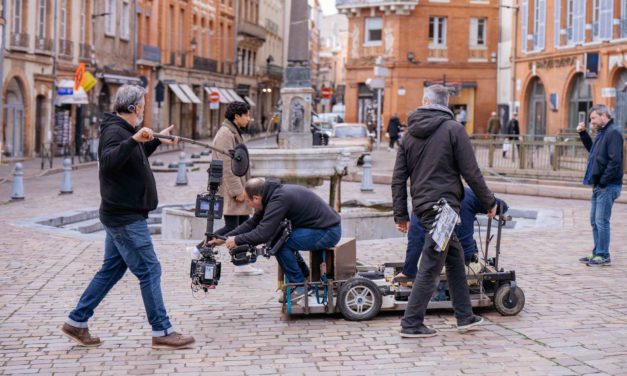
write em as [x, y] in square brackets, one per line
[574, 321]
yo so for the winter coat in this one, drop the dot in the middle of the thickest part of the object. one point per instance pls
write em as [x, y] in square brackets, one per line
[605, 162]
[494, 125]
[226, 139]
[394, 127]
[127, 186]
[433, 154]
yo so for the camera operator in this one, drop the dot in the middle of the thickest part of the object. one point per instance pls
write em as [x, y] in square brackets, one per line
[129, 192]
[235, 210]
[315, 225]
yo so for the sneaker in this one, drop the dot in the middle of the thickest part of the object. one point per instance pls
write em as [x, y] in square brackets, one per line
[80, 335]
[469, 323]
[298, 293]
[586, 259]
[173, 341]
[247, 270]
[599, 261]
[420, 332]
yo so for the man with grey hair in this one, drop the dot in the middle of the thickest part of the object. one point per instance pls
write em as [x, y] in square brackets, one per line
[604, 172]
[128, 192]
[434, 155]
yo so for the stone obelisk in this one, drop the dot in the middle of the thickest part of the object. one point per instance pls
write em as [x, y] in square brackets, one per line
[297, 94]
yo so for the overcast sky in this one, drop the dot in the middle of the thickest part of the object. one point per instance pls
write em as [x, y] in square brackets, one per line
[328, 6]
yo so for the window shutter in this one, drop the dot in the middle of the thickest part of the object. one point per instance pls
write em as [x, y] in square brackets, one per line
[474, 29]
[557, 25]
[606, 13]
[541, 37]
[525, 24]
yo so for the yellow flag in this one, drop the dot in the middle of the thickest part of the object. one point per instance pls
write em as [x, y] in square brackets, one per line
[89, 81]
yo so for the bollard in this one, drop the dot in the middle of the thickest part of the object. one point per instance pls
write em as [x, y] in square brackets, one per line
[181, 176]
[66, 184]
[366, 177]
[18, 183]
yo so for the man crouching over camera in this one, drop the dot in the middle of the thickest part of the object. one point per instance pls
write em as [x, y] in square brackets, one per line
[129, 192]
[315, 225]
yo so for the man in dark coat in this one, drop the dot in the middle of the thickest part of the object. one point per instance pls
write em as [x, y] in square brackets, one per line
[434, 155]
[394, 129]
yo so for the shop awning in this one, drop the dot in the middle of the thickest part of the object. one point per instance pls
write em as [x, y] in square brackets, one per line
[250, 101]
[179, 93]
[190, 93]
[227, 95]
[121, 80]
[235, 96]
[67, 95]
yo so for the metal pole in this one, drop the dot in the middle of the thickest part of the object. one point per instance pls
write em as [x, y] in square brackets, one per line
[378, 118]
[2, 30]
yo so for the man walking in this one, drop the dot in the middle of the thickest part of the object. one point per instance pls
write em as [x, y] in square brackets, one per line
[129, 192]
[433, 155]
[604, 172]
[394, 129]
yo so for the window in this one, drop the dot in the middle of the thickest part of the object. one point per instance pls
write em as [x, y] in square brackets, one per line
[181, 20]
[63, 20]
[576, 27]
[41, 19]
[437, 32]
[623, 18]
[170, 22]
[602, 14]
[374, 26]
[125, 27]
[110, 18]
[83, 20]
[478, 32]
[556, 24]
[17, 17]
[539, 25]
[525, 24]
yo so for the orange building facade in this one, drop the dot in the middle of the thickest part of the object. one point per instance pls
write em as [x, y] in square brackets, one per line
[422, 43]
[569, 55]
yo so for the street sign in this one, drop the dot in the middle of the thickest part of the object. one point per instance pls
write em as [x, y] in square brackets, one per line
[326, 92]
[381, 71]
[214, 97]
[375, 83]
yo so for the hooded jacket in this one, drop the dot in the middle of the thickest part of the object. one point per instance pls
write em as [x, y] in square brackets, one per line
[605, 163]
[301, 206]
[433, 155]
[127, 187]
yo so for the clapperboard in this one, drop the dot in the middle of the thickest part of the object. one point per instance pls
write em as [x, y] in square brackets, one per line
[445, 221]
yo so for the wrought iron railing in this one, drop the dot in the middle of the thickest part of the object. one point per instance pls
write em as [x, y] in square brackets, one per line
[19, 40]
[205, 64]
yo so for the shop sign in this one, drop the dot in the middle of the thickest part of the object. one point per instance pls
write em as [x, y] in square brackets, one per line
[553, 63]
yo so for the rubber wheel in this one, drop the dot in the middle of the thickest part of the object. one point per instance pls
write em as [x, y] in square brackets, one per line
[504, 305]
[359, 299]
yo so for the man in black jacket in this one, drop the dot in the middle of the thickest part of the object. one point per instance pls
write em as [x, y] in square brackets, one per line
[604, 173]
[394, 129]
[315, 225]
[128, 192]
[433, 155]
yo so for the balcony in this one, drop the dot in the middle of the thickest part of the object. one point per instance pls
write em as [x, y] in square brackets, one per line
[437, 55]
[19, 41]
[84, 51]
[66, 48]
[251, 30]
[477, 55]
[273, 71]
[43, 46]
[149, 53]
[172, 58]
[205, 64]
[389, 7]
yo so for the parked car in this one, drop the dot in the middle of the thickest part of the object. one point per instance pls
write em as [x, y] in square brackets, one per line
[352, 134]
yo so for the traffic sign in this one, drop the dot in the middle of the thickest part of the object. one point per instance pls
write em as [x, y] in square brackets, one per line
[326, 92]
[214, 97]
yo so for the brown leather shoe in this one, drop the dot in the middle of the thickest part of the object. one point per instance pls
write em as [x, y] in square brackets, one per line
[173, 341]
[80, 335]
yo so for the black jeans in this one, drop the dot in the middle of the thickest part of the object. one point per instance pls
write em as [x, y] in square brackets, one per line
[393, 140]
[429, 268]
[230, 223]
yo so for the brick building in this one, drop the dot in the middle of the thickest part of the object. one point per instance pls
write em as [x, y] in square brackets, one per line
[569, 55]
[451, 42]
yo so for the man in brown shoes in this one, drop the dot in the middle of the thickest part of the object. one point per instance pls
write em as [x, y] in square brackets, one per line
[128, 191]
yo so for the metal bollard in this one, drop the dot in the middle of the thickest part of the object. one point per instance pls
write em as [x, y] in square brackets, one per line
[66, 184]
[181, 176]
[18, 183]
[366, 177]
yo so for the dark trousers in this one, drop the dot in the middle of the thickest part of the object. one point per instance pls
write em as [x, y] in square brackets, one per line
[230, 223]
[429, 269]
[393, 140]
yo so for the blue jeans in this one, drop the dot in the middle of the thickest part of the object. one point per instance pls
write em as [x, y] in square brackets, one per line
[129, 247]
[305, 239]
[600, 213]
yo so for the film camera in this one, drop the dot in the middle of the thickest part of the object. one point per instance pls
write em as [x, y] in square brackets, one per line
[247, 254]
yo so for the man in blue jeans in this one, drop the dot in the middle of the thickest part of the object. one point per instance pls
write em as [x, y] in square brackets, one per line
[315, 225]
[128, 192]
[470, 207]
[604, 172]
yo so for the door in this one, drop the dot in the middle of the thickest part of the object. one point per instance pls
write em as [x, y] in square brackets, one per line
[15, 130]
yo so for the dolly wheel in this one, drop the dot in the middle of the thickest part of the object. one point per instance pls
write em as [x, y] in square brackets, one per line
[509, 304]
[359, 299]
